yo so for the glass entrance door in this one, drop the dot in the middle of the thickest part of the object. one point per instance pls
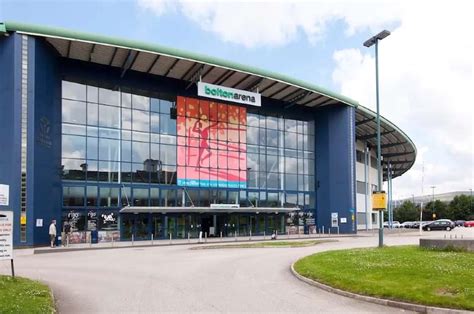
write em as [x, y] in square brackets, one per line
[136, 225]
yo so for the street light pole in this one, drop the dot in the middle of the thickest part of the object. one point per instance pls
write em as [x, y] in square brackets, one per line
[374, 40]
[432, 202]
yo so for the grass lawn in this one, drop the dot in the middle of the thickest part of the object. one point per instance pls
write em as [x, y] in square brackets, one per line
[268, 244]
[21, 295]
[405, 273]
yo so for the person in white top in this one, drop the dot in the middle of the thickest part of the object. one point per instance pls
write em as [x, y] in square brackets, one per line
[52, 232]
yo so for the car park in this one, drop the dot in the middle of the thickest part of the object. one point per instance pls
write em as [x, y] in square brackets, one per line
[469, 223]
[441, 224]
[459, 223]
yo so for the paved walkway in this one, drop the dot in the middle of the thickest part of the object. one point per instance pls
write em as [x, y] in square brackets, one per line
[176, 279]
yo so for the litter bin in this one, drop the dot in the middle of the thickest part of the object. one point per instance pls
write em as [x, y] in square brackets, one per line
[94, 236]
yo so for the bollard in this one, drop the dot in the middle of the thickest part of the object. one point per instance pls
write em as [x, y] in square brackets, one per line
[455, 236]
[112, 240]
[133, 239]
[205, 237]
[189, 237]
[329, 231]
[250, 237]
[323, 229]
[445, 235]
[235, 235]
[171, 238]
[462, 236]
[337, 229]
[221, 236]
[288, 234]
[152, 239]
[90, 239]
[263, 235]
[450, 236]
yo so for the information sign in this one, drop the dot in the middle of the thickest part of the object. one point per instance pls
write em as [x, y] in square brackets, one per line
[6, 235]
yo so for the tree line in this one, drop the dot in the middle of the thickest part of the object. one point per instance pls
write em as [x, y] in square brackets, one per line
[460, 208]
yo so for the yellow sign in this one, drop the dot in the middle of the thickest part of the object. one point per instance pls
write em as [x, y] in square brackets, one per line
[23, 220]
[434, 216]
[379, 200]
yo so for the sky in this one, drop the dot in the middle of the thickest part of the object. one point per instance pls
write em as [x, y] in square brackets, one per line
[426, 64]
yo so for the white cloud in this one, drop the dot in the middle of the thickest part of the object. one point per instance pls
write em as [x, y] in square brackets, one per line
[273, 22]
[426, 78]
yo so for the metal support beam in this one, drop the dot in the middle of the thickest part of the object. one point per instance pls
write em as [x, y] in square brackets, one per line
[297, 98]
[279, 91]
[269, 86]
[195, 76]
[390, 155]
[241, 80]
[131, 57]
[374, 135]
[113, 56]
[399, 162]
[171, 67]
[207, 72]
[311, 100]
[152, 65]
[91, 52]
[393, 144]
[225, 78]
[364, 121]
[253, 85]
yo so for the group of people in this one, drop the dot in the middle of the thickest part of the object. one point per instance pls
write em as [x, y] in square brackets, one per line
[66, 232]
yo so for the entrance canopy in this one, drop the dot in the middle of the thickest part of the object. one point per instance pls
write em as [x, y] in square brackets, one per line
[202, 210]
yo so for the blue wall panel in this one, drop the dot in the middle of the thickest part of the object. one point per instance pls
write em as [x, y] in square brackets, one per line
[335, 167]
[45, 138]
[10, 117]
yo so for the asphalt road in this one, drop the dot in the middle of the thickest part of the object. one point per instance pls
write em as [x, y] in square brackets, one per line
[177, 279]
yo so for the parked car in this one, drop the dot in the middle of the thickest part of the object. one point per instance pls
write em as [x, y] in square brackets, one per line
[407, 224]
[441, 224]
[459, 223]
[395, 224]
[469, 223]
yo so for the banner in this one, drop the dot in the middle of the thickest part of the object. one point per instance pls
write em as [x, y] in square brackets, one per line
[212, 144]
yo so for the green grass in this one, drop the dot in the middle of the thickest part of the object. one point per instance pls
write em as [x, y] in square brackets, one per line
[269, 244]
[405, 273]
[21, 295]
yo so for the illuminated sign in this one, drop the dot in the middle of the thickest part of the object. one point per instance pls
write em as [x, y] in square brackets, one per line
[229, 94]
[212, 149]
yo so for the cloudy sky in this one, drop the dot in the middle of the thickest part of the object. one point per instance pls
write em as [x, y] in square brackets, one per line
[426, 65]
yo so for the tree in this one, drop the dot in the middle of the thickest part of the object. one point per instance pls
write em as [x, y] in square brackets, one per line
[406, 212]
[439, 208]
[461, 208]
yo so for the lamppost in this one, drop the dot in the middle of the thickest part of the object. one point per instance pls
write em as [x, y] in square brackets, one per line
[371, 41]
[432, 202]
[470, 201]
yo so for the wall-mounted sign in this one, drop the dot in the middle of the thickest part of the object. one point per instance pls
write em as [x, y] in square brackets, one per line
[379, 200]
[6, 235]
[334, 220]
[225, 206]
[4, 194]
[229, 94]
[23, 220]
[39, 222]
[343, 220]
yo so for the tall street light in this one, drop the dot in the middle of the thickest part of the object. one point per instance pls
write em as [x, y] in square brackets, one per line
[371, 41]
[432, 202]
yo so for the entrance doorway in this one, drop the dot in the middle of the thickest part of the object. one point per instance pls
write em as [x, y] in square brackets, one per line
[207, 225]
[136, 225]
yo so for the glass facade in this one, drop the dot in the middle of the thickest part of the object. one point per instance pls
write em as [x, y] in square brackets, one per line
[120, 148]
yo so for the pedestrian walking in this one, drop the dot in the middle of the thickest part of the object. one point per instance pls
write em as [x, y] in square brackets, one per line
[67, 233]
[52, 232]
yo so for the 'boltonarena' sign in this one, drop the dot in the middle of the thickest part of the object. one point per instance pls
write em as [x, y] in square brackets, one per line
[229, 94]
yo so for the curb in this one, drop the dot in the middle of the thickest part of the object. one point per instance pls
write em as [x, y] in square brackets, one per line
[165, 243]
[398, 304]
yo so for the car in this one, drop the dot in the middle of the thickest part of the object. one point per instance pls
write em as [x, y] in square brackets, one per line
[469, 223]
[395, 224]
[407, 224]
[441, 224]
[459, 223]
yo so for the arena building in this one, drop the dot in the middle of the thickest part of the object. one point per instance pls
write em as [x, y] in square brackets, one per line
[127, 139]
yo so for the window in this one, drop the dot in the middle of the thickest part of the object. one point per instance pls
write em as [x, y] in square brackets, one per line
[73, 196]
[109, 116]
[109, 197]
[74, 111]
[361, 187]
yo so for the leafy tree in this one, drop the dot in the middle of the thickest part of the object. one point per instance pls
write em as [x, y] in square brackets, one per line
[462, 208]
[439, 208]
[406, 212]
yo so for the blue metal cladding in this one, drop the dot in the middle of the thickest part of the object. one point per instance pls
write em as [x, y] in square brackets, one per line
[335, 175]
[10, 119]
[45, 139]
